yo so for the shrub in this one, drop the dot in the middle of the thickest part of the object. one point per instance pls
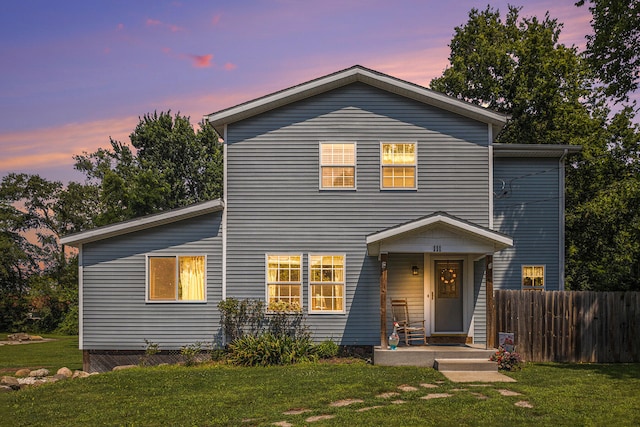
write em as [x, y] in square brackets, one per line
[269, 349]
[507, 361]
[240, 317]
[326, 349]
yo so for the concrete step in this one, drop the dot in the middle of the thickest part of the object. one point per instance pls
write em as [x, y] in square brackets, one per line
[476, 365]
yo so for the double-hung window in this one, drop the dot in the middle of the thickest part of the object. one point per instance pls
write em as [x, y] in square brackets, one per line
[176, 278]
[326, 283]
[533, 277]
[337, 165]
[284, 280]
[398, 165]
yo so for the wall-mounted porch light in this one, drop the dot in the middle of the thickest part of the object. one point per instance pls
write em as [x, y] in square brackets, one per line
[414, 270]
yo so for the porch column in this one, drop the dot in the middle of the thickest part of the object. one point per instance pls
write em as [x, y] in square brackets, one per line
[491, 310]
[383, 300]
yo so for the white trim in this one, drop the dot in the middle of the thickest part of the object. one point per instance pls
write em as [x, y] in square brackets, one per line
[544, 277]
[177, 257]
[354, 74]
[143, 223]
[224, 215]
[355, 166]
[491, 178]
[343, 284]
[80, 299]
[414, 165]
[439, 218]
[266, 275]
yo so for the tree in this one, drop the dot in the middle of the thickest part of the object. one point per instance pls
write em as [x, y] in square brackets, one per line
[172, 166]
[36, 274]
[603, 199]
[517, 67]
[612, 50]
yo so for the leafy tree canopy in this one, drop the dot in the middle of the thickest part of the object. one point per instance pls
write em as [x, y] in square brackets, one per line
[167, 165]
[517, 67]
[613, 50]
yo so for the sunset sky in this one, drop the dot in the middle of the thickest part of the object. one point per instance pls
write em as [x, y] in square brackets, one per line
[75, 72]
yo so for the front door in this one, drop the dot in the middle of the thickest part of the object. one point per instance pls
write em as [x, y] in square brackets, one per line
[448, 296]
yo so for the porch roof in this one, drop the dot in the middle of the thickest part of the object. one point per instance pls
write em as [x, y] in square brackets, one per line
[438, 232]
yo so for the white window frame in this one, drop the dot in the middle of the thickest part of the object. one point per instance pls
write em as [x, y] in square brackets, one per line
[177, 257]
[333, 165]
[266, 275]
[414, 165]
[343, 283]
[533, 287]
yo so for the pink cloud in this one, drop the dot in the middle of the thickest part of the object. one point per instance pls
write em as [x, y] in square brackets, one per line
[120, 27]
[157, 23]
[202, 61]
[216, 19]
[229, 66]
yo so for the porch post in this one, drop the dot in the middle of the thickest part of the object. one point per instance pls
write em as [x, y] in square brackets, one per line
[491, 324]
[383, 300]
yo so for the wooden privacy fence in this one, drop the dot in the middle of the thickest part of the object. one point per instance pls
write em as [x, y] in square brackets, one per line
[570, 326]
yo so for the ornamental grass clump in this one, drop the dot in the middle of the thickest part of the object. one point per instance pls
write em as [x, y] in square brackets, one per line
[507, 360]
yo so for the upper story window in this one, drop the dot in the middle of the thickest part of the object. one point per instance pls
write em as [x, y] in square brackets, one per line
[337, 165]
[398, 165]
[284, 280]
[176, 278]
[533, 277]
[326, 283]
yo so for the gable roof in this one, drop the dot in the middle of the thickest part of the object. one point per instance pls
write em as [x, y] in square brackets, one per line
[357, 73]
[493, 240]
[142, 223]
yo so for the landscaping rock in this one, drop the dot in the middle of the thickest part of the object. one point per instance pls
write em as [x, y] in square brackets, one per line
[5, 389]
[21, 373]
[39, 373]
[121, 367]
[58, 377]
[35, 338]
[80, 374]
[20, 336]
[65, 371]
[10, 382]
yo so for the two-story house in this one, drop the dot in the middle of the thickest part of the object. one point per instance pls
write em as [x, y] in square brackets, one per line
[340, 194]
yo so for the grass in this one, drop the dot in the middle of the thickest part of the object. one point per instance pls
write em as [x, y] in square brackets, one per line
[220, 395]
[53, 355]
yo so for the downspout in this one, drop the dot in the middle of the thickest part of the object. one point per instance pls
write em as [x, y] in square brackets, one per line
[561, 207]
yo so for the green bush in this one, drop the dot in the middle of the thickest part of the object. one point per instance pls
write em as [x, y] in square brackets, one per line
[326, 349]
[269, 349]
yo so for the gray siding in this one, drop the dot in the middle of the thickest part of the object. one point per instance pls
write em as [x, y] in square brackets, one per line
[402, 284]
[530, 213]
[479, 302]
[274, 203]
[116, 315]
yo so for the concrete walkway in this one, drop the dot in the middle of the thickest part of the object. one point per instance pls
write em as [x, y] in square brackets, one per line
[477, 377]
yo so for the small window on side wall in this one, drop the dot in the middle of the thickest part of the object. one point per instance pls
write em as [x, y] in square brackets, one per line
[398, 165]
[176, 278]
[533, 277]
[337, 165]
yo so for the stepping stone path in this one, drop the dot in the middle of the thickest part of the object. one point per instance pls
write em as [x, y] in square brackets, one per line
[406, 388]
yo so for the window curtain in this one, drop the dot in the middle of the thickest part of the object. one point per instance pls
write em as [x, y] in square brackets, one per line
[192, 278]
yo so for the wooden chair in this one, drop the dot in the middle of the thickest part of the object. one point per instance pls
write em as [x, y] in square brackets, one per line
[411, 331]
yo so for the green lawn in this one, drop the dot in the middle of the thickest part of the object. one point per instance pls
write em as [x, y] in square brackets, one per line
[222, 395]
[53, 355]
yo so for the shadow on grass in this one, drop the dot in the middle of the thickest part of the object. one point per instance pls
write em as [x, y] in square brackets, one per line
[618, 371]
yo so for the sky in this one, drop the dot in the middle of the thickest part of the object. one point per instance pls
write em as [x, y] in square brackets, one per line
[74, 73]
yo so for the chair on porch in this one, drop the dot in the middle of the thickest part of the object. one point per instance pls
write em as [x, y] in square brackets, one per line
[411, 331]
